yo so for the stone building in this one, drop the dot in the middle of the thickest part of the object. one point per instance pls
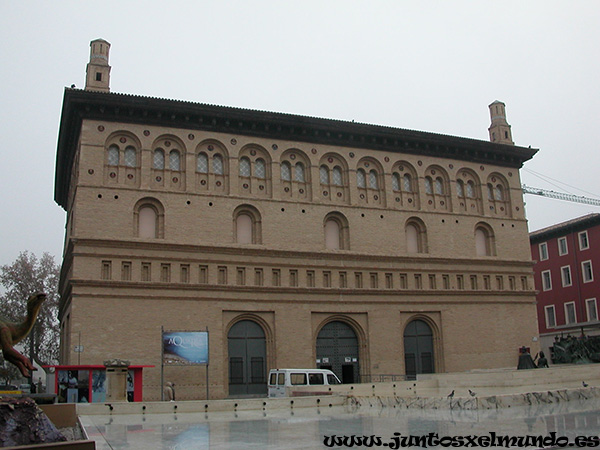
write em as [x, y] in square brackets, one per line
[295, 241]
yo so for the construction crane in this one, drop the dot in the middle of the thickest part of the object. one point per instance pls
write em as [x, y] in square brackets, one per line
[559, 195]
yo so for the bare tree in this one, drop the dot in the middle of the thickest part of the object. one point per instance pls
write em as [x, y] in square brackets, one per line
[25, 276]
[9, 373]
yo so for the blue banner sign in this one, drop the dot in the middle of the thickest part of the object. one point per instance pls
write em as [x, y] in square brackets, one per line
[185, 347]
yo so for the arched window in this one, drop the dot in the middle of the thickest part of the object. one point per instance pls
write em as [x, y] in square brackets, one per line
[121, 159]
[395, 181]
[299, 172]
[418, 349]
[202, 163]
[244, 167]
[416, 236]
[218, 165]
[407, 182]
[405, 185]
[255, 172]
[149, 219]
[333, 175]
[498, 195]
[130, 157]
[247, 225]
[481, 242]
[113, 155]
[337, 176]
[484, 241]
[260, 170]
[361, 181]
[324, 175]
[244, 229]
[247, 359]
[174, 160]
[335, 227]
[437, 188]
[373, 184]
[286, 171]
[158, 161]
[295, 179]
[337, 344]
[332, 234]
[412, 239]
[147, 222]
[460, 188]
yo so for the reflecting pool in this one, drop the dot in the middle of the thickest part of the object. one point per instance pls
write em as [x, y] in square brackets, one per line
[309, 428]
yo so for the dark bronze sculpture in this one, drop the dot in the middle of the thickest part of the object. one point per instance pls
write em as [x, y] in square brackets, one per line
[525, 359]
[13, 333]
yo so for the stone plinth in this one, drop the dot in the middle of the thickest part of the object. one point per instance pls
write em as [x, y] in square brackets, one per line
[116, 380]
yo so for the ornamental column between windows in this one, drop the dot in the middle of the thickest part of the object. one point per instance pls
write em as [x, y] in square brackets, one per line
[422, 192]
[234, 171]
[315, 181]
[389, 195]
[353, 193]
[276, 180]
[190, 169]
[145, 169]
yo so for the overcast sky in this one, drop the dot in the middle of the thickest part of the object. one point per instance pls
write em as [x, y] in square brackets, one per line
[423, 65]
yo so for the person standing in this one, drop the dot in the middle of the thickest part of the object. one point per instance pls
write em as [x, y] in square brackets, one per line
[169, 392]
[542, 362]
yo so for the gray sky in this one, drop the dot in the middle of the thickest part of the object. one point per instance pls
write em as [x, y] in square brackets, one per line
[424, 65]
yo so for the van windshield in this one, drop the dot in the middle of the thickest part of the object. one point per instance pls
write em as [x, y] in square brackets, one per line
[332, 379]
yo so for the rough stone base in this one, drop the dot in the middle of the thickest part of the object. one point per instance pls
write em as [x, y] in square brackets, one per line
[23, 423]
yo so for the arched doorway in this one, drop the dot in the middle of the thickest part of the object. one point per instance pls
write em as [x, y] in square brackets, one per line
[337, 350]
[418, 349]
[247, 359]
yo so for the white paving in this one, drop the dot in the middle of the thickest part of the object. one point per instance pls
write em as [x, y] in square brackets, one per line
[306, 428]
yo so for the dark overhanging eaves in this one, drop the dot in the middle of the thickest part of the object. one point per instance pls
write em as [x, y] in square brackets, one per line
[562, 229]
[111, 107]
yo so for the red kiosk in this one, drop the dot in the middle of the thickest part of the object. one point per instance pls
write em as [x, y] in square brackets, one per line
[87, 383]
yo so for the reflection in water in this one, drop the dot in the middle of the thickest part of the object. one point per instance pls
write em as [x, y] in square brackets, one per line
[305, 428]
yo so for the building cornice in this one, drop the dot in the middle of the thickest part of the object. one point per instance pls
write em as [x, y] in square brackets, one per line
[259, 251]
[111, 107]
[156, 291]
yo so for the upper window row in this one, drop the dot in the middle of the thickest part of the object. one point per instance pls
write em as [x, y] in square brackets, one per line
[563, 245]
[205, 164]
[368, 173]
[409, 188]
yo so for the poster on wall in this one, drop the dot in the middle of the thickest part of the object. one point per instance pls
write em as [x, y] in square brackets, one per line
[185, 347]
[98, 386]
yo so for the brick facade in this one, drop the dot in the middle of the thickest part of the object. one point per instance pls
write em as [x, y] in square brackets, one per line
[466, 272]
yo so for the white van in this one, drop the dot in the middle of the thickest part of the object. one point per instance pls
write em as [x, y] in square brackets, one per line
[283, 381]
